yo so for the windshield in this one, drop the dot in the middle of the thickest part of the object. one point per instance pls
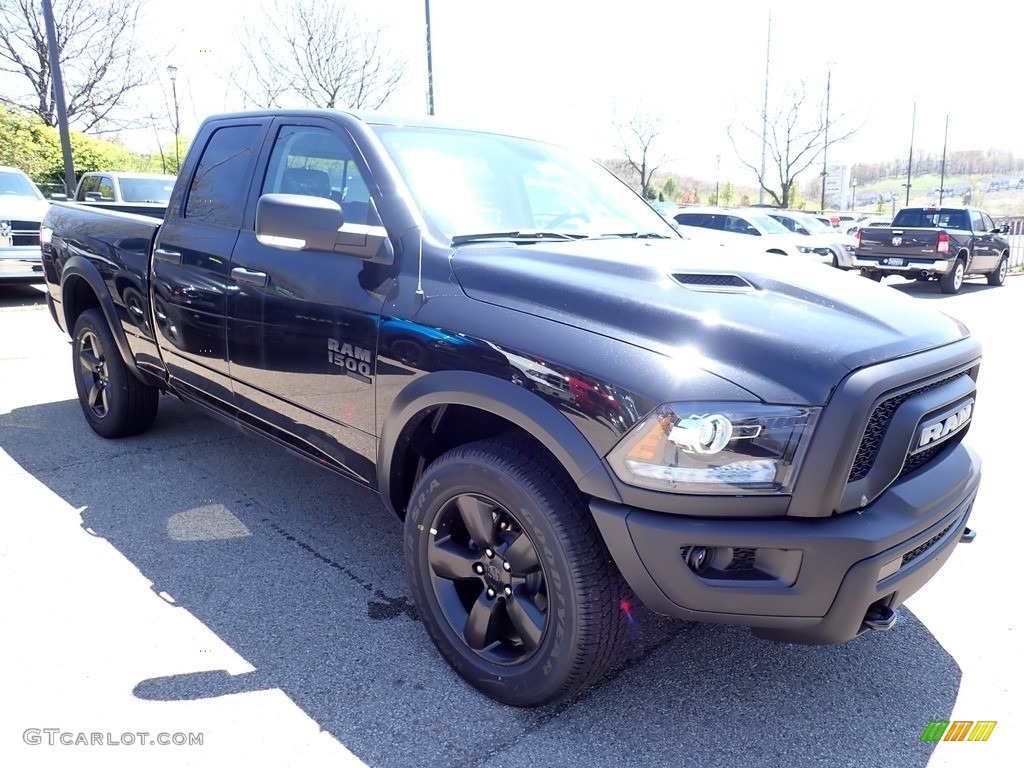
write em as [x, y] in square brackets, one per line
[767, 224]
[18, 185]
[146, 190]
[813, 225]
[469, 183]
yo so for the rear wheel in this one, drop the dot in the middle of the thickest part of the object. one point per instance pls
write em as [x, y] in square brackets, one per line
[999, 276]
[510, 575]
[952, 280]
[114, 402]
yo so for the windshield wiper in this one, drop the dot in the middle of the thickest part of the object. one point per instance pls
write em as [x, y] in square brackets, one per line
[514, 236]
[639, 235]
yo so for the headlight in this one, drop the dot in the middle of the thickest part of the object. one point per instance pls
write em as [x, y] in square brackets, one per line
[45, 235]
[850, 248]
[804, 249]
[716, 448]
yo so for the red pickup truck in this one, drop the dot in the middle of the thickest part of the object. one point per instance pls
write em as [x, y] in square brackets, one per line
[944, 244]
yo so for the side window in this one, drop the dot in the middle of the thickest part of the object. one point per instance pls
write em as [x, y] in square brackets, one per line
[987, 222]
[977, 223]
[89, 184]
[218, 191]
[313, 161]
[106, 189]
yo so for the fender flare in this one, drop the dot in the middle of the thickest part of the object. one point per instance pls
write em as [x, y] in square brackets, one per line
[80, 268]
[537, 417]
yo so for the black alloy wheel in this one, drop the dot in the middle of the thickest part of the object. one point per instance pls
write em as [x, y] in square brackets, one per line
[114, 402]
[510, 575]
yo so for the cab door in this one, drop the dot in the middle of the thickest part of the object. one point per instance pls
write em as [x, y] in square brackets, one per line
[303, 325]
[191, 261]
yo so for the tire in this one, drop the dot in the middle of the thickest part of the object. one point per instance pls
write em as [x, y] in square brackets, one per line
[548, 624]
[114, 402]
[873, 275]
[999, 276]
[954, 279]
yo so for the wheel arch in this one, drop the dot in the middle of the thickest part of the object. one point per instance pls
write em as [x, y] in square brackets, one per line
[82, 288]
[429, 417]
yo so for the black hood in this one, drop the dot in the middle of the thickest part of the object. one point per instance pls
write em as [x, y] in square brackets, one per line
[785, 328]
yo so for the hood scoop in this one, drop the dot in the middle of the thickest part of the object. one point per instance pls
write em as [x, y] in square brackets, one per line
[704, 281]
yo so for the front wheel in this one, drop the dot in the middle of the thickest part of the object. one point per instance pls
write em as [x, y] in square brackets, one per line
[510, 575]
[999, 276]
[114, 402]
[952, 280]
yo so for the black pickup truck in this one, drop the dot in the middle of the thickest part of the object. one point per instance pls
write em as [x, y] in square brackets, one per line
[567, 404]
[944, 244]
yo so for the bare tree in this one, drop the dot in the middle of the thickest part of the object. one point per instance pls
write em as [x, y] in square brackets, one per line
[99, 58]
[795, 141]
[637, 138]
[321, 54]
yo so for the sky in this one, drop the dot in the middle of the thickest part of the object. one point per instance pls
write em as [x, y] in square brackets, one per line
[568, 70]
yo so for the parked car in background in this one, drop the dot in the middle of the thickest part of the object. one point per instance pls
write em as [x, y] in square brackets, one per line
[123, 187]
[837, 219]
[22, 207]
[737, 226]
[871, 220]
[828, 246]
[932, 243]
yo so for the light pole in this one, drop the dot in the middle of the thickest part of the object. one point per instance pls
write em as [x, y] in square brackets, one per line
[824, 155]
[430, 66]
[942, 177]
[172, 72]
[910, 159]
[718, 175]
[853, 203]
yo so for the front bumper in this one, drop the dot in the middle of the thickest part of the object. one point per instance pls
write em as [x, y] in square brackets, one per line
[799, 580]
[22, 264]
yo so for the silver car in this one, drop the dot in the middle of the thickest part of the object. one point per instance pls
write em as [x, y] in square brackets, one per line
[22, 207]
[829, 245]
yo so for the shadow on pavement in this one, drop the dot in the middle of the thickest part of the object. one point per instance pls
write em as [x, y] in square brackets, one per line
[22, 295]
[302, 574]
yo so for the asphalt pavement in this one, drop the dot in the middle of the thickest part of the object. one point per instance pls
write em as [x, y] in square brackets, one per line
[197, 584]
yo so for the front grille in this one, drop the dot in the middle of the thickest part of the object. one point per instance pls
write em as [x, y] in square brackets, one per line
[922, 548]
[24, 232]
[823, 251]
[878, 425]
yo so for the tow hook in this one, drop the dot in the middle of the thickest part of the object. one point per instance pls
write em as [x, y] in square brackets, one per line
[968, 535]
[880, 618]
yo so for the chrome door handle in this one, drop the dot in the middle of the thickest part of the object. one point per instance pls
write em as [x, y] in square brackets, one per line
[249, 277]
[171, 257]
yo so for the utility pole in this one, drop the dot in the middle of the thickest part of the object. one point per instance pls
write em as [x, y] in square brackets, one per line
[824, 157]
[430, 66]
[910, 160]
[58, 97]
[942, 177]
[764, 111]
[172, 72]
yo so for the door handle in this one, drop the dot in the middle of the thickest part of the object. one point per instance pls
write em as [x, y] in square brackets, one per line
[171, 257]
[249, 277]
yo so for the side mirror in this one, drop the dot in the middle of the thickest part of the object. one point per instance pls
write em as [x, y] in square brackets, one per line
[94, 196]
[1003, 230]
[298, 222]
[802, 231]
[60, 197]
